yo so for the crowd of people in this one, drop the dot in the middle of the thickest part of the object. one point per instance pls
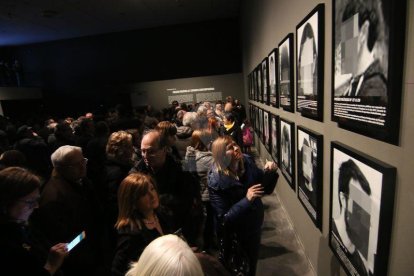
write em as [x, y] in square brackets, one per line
[129, 181]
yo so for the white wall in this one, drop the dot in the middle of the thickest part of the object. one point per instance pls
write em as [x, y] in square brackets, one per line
[264, 24]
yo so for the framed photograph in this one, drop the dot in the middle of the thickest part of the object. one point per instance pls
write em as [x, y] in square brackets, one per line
[257, 123]
[368, 66]
[285, 73]
[309, 64]
[250, 86]
[261, 130]
[251, 119]
[266, 131]
[273, 88]
[310, 172]
[259, 83]
[274, 137]
[265, 81]
[255, 85]
[362, 203]
[287, 150]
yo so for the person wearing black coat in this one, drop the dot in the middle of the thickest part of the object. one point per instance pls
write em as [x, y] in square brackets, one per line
[235, 189]
[232, 128]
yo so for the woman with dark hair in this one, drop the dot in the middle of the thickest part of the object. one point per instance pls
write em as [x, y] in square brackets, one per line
[235, 188]
[138, 221]
[19, 195]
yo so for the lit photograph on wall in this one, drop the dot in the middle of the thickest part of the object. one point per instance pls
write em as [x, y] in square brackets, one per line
[310, 166]
[285, 73]
[309, 62]
[273, 95]
[362, 202]
[287, 151]
[368, 39]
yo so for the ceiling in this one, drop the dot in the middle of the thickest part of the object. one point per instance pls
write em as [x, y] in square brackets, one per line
[32, 21]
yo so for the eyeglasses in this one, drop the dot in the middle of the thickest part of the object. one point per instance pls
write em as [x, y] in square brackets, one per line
[31, 203]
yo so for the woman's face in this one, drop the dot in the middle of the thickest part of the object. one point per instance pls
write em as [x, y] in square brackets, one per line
[21, 210]
[149, 201]
[233, 153]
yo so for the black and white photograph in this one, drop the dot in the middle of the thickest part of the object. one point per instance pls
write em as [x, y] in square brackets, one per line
[265, 80]
[287, 150]
[261, 130]
[266, 135]
[369, 37]
[274, 137]
[259, 83]
[256, 120]
[362, 202]
[250, 86]
[285, 73]
[310, 166]
[309, 62]
[273, 95]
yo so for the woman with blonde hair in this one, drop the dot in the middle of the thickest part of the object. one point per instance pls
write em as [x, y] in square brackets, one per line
[167, 255]
[168, 133]
[138, 222]
[235, 190]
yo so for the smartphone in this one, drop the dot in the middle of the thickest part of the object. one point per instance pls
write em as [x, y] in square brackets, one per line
[76, 240]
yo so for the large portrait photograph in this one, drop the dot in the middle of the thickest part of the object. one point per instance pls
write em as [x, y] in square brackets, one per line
[287, 150]
[265, 81]
[369, 37]
[362, 202]
[273, 95]
[309, 64]
[285, 73]
[310, 166]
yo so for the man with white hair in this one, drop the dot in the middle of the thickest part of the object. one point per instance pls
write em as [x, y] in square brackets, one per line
[68, 205]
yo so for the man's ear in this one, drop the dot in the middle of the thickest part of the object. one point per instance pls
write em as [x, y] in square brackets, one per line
[342, 198]
[363, 34]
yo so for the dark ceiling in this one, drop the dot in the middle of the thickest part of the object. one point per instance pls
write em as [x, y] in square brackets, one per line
[31, 21]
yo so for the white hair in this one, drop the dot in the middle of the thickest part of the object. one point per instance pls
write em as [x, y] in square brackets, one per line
[189, 118]
[202, 110]
[167, 255]
[59, 157]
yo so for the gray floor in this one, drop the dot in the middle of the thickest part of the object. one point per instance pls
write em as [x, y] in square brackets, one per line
[281, 253]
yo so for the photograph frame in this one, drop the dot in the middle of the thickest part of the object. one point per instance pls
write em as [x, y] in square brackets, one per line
[364, 210]
[287, 151]
[259, 83]
[310, 179]
[366, 92]
[266, 130]
[310, 69]
[273, 75]
[265, 80]
[275, 137]
[286, 86]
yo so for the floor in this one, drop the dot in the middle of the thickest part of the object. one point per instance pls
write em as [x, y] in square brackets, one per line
[281, 253]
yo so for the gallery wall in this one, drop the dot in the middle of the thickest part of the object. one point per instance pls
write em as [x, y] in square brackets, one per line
[160, 94]
[264, 23]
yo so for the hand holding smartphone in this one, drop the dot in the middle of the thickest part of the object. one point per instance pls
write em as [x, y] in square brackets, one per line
[76, 240]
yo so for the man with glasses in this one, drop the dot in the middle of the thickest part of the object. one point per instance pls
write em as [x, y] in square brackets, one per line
[178, 190]
[68, 205]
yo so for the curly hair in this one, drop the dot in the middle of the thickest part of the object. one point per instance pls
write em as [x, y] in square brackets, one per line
[119, 146]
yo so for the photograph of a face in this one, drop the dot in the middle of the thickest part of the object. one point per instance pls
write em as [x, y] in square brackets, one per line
[367, 75]
[287, 159]
[265, 81]
[261, 131]
[285, 73]
[273, 96]
[274, 137]
[309, 74]
[362, 194]
[310, 165]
